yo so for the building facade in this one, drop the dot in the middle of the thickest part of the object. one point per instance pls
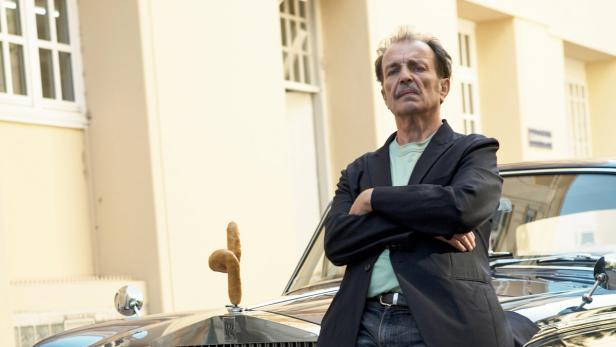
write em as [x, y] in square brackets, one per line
[133, 131]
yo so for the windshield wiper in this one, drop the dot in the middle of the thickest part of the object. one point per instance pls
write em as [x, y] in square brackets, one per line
[570, 258]
[497, 255]
[565, 258]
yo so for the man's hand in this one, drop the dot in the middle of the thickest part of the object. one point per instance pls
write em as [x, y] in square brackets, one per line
[362, 205]
[462, 242]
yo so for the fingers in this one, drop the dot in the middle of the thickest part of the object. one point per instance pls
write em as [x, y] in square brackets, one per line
[458, 245]
[466, 239]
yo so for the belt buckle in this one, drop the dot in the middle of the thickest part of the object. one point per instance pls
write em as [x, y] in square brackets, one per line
[383, 303]
[395, 300]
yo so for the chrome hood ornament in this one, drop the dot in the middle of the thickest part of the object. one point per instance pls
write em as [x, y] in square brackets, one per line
[228, 261]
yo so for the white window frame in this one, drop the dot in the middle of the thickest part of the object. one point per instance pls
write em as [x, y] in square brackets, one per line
[33, 108]
[466, 75]
[578, 111]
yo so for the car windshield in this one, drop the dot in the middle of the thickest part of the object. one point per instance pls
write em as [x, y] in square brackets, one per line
[539, 215]
[556, 214]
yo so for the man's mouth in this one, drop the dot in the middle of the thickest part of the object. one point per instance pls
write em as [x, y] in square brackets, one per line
[405, 91]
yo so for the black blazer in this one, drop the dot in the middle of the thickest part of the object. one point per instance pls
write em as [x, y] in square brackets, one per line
[454, 188]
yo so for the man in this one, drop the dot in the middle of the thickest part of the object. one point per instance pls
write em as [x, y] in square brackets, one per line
[401, 217]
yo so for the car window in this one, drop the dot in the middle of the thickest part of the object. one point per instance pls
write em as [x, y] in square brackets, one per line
[552, 214]
[316, 269]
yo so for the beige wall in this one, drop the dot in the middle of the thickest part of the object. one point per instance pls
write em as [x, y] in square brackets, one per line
[6, 318]
[44, 201]
[348, 73]
[601, 91]
[119, 146]
[588, 23]
[496, 51]
[541, 89]
[218, 99]
[531, 68]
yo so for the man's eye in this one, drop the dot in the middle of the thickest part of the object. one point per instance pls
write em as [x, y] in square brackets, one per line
[391, 72]
[419, 68]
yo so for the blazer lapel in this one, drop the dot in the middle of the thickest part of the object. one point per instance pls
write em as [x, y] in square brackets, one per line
[442, 140]
[379, 167]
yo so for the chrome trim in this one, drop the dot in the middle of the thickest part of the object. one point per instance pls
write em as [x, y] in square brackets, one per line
[313, 239]
[582, 268]
[571, 170]
[288, 298]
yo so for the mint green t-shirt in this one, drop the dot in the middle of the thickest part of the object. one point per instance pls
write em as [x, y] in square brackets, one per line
[402, 159]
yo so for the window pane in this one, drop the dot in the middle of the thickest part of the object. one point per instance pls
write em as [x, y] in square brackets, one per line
[307, 70]
[470, 99]
[42, 19]
[66, 77]
[2, 78]
[291, 6]
[47, 81]
[467, 50]
[12, 16]
[61, 15]
[18, 69]
[283, 31]
[463, 85]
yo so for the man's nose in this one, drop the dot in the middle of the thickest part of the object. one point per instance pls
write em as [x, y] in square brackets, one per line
[405, 74]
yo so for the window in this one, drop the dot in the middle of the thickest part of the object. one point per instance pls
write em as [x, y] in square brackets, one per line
[578, 119]
[296, 27]
[40, 62]
[467, 75]
[577, 107]
[556, 213]
[12, 47]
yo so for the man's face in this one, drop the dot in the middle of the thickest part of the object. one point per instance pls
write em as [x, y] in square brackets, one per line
[410, 81]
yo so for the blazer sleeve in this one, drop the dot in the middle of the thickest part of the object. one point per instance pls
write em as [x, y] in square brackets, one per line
[352, 238]
[436, 210]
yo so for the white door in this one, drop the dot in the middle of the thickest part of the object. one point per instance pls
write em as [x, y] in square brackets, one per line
[302, 170]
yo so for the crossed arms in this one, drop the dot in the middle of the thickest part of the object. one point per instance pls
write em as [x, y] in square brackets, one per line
[381, 216]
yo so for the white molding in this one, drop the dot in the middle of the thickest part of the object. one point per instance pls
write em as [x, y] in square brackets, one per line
[300, 87]
[41, 116]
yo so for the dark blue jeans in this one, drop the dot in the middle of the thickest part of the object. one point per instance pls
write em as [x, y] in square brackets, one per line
[388, 326]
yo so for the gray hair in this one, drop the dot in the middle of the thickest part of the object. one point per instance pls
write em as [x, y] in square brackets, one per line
[442, 60]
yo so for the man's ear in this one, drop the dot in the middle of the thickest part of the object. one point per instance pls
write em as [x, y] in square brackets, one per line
[445, 85]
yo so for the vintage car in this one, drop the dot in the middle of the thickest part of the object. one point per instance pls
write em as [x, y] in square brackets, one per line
[553, 260]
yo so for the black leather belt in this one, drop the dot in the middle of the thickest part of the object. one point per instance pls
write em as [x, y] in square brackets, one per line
[390, 299]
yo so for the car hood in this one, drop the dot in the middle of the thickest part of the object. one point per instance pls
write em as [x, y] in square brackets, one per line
[535, 293]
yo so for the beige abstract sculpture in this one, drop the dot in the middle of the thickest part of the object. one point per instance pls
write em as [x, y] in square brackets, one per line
[228, 261]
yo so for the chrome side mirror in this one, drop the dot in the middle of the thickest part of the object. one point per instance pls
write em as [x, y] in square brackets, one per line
[606, 269]
[128, 300]
[605, 276]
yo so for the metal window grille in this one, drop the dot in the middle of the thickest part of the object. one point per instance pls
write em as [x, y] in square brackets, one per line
[578, 119]
[296, 31]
